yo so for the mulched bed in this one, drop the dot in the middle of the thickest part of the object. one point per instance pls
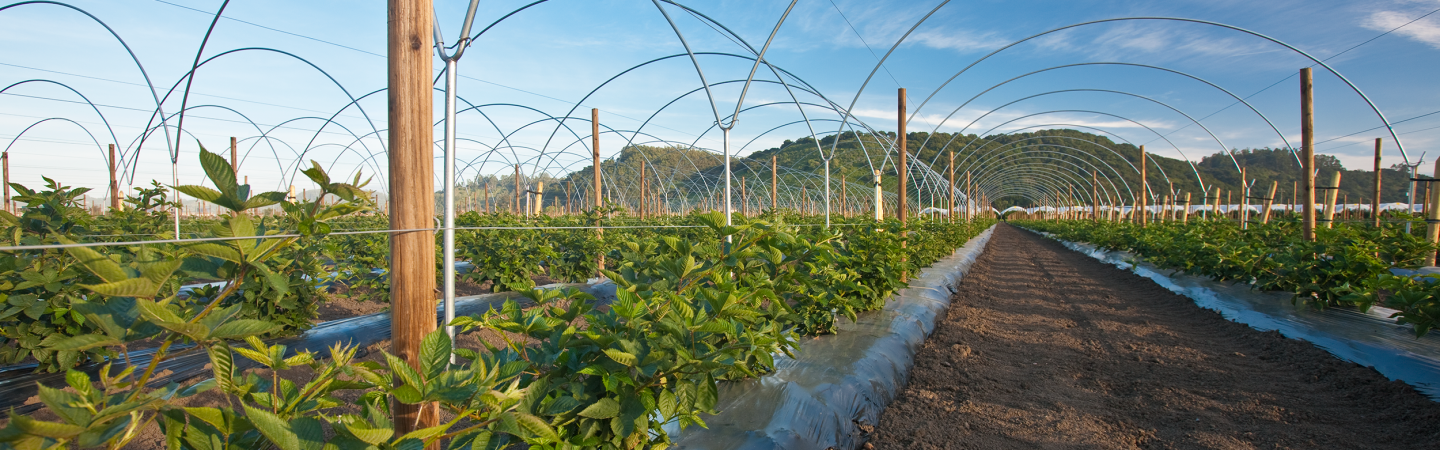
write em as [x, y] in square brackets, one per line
[1047, 348]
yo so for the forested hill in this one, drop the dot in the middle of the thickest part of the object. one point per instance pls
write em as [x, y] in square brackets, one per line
[1080, 153]
[691, 172]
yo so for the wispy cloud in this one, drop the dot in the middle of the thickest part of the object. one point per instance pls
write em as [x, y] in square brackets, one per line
[1164, 41]
[1425, 30]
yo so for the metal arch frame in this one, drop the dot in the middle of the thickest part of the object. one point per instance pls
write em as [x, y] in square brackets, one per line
[1151, 156]
[143, 74]
[1376, 109]
[1177, 72]
[1068, 169]
[1223, 148]
[37, 123]
[1117, 154]
[1087, 153]
[1095, 169]
[108, 128]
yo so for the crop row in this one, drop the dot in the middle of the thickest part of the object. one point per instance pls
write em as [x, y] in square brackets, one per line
[1348, 265]
[694, 306]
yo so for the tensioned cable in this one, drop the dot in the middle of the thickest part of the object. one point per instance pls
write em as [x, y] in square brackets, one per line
[1277, 83]
[17, 248]
[862, 41]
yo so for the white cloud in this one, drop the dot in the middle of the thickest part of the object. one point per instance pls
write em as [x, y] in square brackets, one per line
[1425, 30]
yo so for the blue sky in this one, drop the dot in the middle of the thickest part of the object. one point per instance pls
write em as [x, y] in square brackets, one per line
[552, 55]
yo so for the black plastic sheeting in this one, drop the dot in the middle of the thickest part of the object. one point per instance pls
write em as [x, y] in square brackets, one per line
[18, 383]
[1370, 338]
[835, 383]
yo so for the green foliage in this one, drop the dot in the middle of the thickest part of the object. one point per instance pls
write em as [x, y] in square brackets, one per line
[1346, 266]
[695, 305]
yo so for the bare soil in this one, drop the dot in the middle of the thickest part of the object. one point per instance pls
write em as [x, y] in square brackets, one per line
[1047, 348]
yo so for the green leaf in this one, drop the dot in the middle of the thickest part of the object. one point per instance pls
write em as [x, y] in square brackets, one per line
[99, 264]
[45, 429]
[219, 172]
[435, 353]
[620, 357]
[273, 428]
[403, 370]
[200, 192]
[134, 287]
[426, 433]
[603, 409]
[242, 328]
[222, 365]
[372, 436]
[536, 426]
[84, 342]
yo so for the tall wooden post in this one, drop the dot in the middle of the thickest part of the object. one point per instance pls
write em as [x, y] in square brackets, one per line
[412, 193]
[115, 204]
[1307, 153]
[1144, 189]
[595, 161]
[5, 161]
[515, 199]
[951, 214]
[1432, 233]
[1094, 197]
[1375, 206]
[641, 208]
[774, 185]
[903, 209]
[844, 201]
[488, 206]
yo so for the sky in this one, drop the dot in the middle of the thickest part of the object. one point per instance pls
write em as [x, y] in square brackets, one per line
[302, 81]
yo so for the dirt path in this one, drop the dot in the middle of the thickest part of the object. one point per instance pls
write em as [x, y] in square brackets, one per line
[1046, 348]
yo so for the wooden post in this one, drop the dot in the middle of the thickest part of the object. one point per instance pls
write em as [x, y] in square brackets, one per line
[1375, 205]
[1095, 197]
[515, 199]
[412, 193]
[1269, 201]
[115, 204]
[1307, 153]
[539, 205]
[595, 161]
[488, 206]
[1433, 217]
[569, 196]
[844, 202]
[774, 183]
[951, 213]
[903, 209]
[745, 205]
[1185, 214]
[641, 208]
[1144, 189]
[5, 161]
[1332, 193]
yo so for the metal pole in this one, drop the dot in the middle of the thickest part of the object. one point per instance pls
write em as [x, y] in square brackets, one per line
[729, 220]
[449, 231]
[412, 192]
[879, 199]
